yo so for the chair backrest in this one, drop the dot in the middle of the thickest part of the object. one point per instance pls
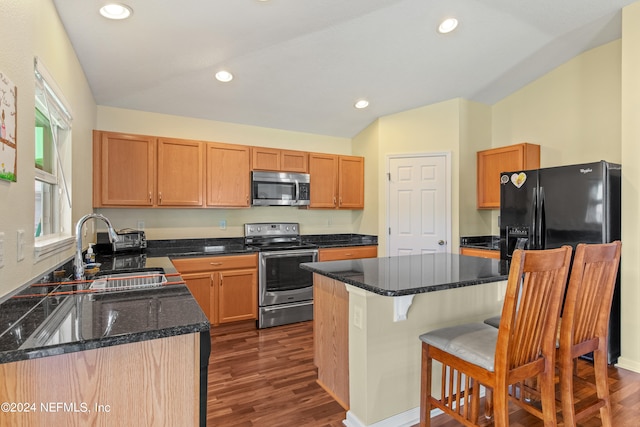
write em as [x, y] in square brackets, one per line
[587, 307]
[531, 309]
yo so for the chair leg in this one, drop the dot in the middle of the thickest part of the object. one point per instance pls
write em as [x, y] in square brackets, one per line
[488, 404]
[602, 385]
[425, 388]
[501, 405]
[548, 397]
[566, 368]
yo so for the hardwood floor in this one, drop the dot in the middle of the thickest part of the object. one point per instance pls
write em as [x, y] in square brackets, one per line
[266, 378]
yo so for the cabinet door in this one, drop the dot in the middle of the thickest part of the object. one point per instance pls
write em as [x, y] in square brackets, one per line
[491, 163]
[238, 293]
[323, 171]
[350, 182]
[124, 169]
[263, 158]
[228, 177]
[294, 161]
[180, 172]
[202, 288]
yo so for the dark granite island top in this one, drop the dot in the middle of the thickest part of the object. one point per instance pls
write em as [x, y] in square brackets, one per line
[59, 318]
[412, 274]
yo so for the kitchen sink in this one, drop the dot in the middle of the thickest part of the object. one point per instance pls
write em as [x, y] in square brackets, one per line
[130, 280]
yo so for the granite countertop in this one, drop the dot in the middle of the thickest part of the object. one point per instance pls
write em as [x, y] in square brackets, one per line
[179, 248]
[412, 274]
[47, 318]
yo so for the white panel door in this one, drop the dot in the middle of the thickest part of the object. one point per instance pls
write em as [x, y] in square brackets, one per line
[419, 204]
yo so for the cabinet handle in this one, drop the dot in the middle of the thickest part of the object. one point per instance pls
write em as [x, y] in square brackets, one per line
[348, 254]
[160, 197]
[215, 263]
[149, 196]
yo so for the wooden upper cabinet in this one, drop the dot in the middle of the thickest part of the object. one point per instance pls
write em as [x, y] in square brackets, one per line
[139, 170]
[323, 171]
[273, 159]
[350, 182]
[228, 175]
[336, 181]
[180, 172]
[491, 163]
[123, 169]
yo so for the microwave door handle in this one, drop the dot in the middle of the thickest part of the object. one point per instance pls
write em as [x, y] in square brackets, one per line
[297, 191]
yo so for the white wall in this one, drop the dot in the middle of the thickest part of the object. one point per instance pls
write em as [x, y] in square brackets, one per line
[31, 28]
[630, 262]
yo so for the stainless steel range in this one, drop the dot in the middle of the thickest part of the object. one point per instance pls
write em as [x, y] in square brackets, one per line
[285, 291]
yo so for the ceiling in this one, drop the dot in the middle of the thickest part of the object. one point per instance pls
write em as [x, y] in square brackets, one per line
[300, 65]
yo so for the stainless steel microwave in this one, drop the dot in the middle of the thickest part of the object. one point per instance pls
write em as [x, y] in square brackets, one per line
[279, 189]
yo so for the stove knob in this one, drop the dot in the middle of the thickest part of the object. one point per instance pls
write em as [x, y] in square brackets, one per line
[286, 228]
[258, 229]
[293, 227]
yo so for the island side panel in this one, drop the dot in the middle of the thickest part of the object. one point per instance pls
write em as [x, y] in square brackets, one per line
[331, 337]
[153, 382]
[385, 356]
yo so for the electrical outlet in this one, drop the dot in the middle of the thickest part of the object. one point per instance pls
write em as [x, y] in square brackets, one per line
[223, 224]
[140, 225]
[357, 317]
[1, 250]
[20, 245]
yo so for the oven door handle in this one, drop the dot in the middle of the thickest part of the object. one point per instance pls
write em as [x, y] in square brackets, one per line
[288, 305]
[288, 253]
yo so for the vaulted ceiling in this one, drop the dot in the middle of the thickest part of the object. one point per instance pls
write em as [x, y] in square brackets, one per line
[302, 64]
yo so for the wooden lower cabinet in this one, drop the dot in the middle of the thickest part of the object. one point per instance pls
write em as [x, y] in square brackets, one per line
[350, 252]
[225, 287]
[154, 382]
[482, 253]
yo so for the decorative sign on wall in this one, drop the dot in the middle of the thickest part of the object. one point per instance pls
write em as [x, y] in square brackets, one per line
[8, 128]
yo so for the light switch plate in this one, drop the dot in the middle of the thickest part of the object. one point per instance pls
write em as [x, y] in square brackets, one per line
[1, 250]
[20, 255]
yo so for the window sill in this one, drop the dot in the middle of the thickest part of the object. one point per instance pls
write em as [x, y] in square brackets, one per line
[47, 247]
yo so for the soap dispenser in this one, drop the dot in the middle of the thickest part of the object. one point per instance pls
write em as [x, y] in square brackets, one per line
[90, 256]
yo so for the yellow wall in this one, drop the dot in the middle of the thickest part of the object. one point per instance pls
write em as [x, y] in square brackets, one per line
[630, 263]
[32, 28]
[199, 223]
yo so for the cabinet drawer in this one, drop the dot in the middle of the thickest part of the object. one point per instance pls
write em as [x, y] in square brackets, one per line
[351, 252]
[214, 263]
[482, 253]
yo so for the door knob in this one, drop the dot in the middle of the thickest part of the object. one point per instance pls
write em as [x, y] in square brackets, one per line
[441, 242]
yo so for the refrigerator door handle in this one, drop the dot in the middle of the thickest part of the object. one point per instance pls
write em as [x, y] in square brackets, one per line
[540, 225]
[534, 209]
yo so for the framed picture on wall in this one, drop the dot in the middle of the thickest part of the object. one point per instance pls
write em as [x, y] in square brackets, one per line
[8, 128]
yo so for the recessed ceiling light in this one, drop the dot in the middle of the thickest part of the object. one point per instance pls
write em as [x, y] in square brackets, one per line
[224, 76]
[362, 103]
[448, 25]
[115, 11]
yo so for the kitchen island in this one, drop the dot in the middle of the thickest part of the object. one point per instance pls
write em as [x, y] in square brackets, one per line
[71, 355]
[369, 313]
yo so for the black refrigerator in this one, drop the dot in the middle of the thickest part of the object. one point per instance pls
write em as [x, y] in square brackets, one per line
[565, 205]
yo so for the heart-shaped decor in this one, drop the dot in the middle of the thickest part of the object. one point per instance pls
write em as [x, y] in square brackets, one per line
[518, 179]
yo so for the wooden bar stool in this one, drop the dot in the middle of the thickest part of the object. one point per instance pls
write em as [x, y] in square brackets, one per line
[585, 325]
[522, 347]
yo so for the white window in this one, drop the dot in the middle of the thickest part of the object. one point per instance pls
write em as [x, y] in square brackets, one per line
[52, 216]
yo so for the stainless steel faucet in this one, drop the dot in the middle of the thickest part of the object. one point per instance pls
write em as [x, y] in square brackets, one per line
[78, 265]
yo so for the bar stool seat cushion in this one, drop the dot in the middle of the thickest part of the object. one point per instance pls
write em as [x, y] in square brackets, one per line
[493, 321]
[472, 342]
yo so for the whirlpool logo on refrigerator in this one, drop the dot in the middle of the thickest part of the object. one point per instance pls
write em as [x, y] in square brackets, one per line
[586, 171]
